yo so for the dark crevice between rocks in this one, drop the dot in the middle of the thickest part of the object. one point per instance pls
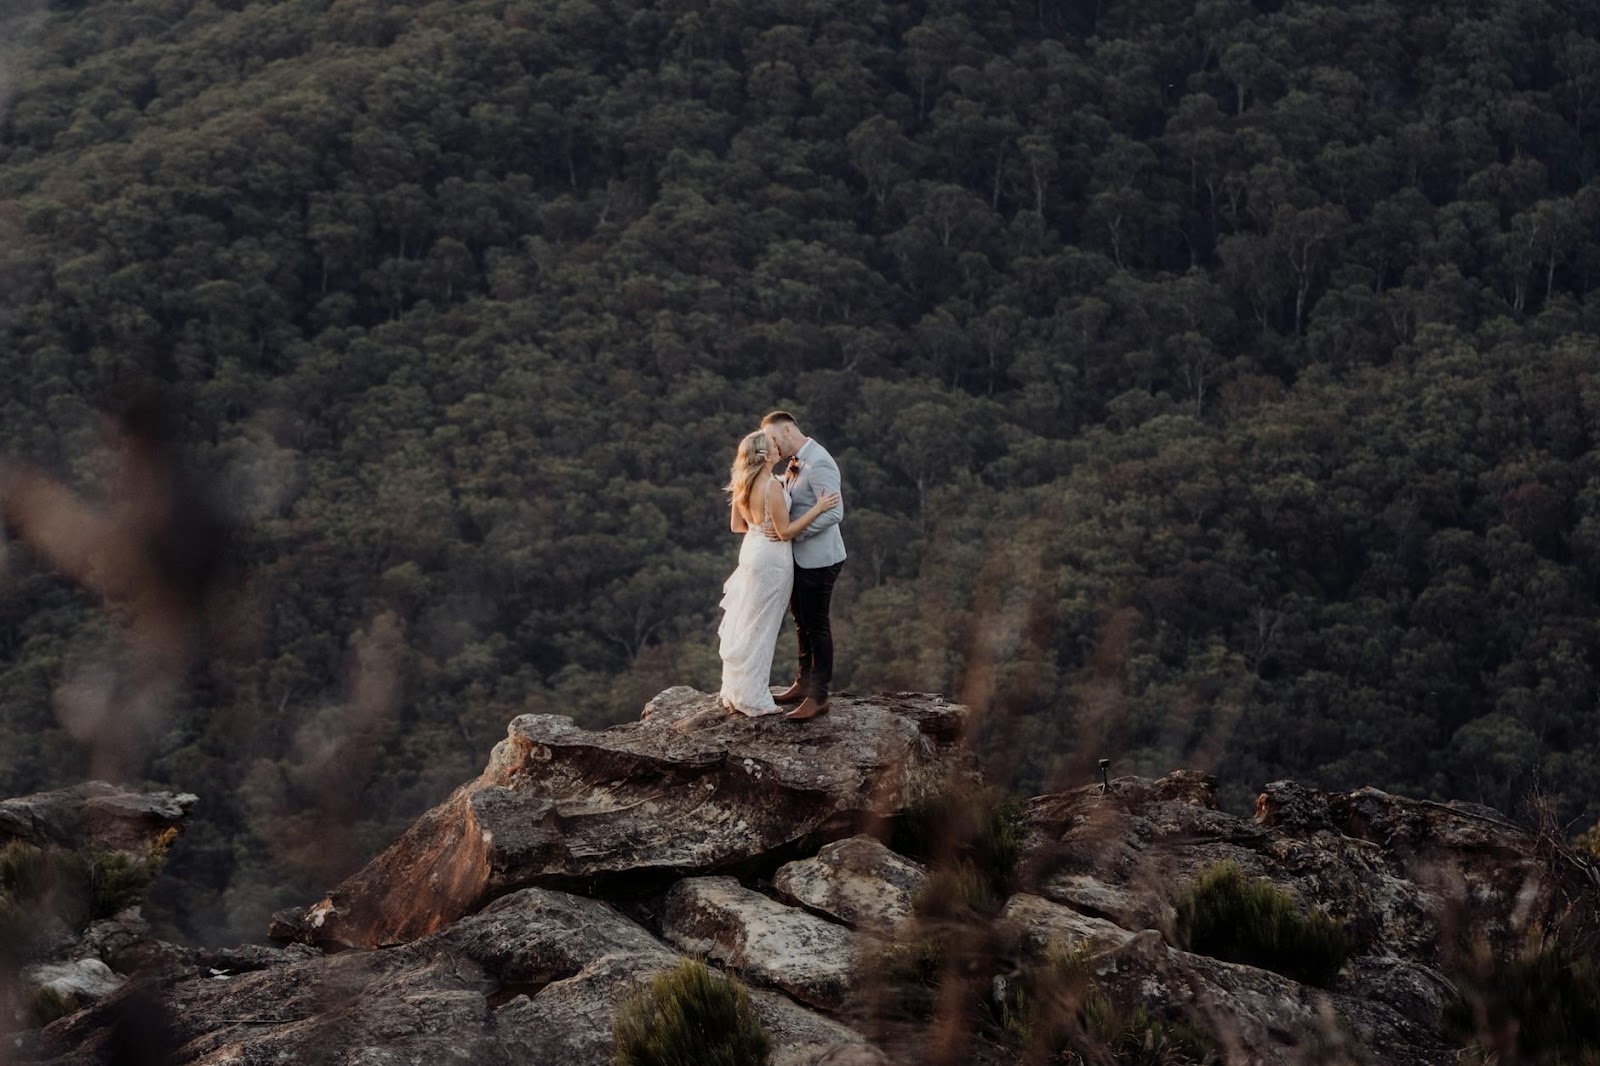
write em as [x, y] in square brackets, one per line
[231, 965]
[638, 893]
[1095, 912]
[512, 989]
[754, 873]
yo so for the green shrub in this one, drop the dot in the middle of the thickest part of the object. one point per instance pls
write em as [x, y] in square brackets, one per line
[971, 838]
[1544, 1001]
[111, 881]
[81, 886]
[1057, 1013]
[690, 1016]
[46, 1005]
[1229, 916]
[917, 961]
[26, 872]
[1004, 831]
[1141, 1039]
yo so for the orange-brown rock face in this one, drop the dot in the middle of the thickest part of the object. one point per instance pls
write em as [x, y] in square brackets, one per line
[436, 872]
[687, 789]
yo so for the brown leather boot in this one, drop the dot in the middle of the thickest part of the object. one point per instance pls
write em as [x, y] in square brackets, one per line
[808, 710]
[793, 694]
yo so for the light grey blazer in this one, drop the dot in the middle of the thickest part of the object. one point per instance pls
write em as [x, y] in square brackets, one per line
[821, 544]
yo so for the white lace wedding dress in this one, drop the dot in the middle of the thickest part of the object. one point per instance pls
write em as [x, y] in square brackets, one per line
[753, 601]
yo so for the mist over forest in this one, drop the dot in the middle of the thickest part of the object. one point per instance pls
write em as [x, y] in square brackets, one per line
[1214, 383]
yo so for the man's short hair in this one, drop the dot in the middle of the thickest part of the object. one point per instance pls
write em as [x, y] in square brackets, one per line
[777, 417]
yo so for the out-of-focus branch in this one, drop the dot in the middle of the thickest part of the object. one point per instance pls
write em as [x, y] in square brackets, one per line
[150, 552]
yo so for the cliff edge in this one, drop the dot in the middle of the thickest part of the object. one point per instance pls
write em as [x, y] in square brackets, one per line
[879, 902]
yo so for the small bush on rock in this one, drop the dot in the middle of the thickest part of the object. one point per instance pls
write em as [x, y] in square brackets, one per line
[970, 836]
[25, 872]
[937, 970]
[690, 1016]
[77, 887]
[1236, 918]
[111, 881]
[960, 893]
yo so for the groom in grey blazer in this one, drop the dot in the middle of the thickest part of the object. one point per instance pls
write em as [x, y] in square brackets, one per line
[818, 557]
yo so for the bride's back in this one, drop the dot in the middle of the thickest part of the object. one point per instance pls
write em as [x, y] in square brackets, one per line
[756, 508]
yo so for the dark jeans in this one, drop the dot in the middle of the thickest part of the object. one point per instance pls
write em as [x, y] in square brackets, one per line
[813, 592]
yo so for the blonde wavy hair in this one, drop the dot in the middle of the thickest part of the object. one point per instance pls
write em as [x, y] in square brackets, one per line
[748, 465]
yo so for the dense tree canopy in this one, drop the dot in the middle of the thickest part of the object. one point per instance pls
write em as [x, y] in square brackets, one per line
[1214, 381]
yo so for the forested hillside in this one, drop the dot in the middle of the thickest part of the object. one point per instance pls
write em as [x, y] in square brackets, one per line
[1215, 383]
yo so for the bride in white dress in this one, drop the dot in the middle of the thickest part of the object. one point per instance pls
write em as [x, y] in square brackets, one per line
[755, 596]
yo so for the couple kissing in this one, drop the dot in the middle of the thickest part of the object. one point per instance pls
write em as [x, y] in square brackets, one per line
[784, 498]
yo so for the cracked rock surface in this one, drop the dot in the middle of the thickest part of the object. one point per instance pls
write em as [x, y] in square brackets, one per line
[857, 881]
[811, 959]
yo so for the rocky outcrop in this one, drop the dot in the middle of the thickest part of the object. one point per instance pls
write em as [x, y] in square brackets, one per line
[515, 919]
[857, 881]
[534, 979]
[1446, 873]
[1260, 1016]
[1411, 879]
[94, 814]
[74, 854]
[686, 790]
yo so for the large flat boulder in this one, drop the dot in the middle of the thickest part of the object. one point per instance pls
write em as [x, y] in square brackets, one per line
[77, 981]
[687, 789]
[94, 814]
[857, 881]
[1263, 1018]
[533, 979]
[811, 959]
[1042, 925]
